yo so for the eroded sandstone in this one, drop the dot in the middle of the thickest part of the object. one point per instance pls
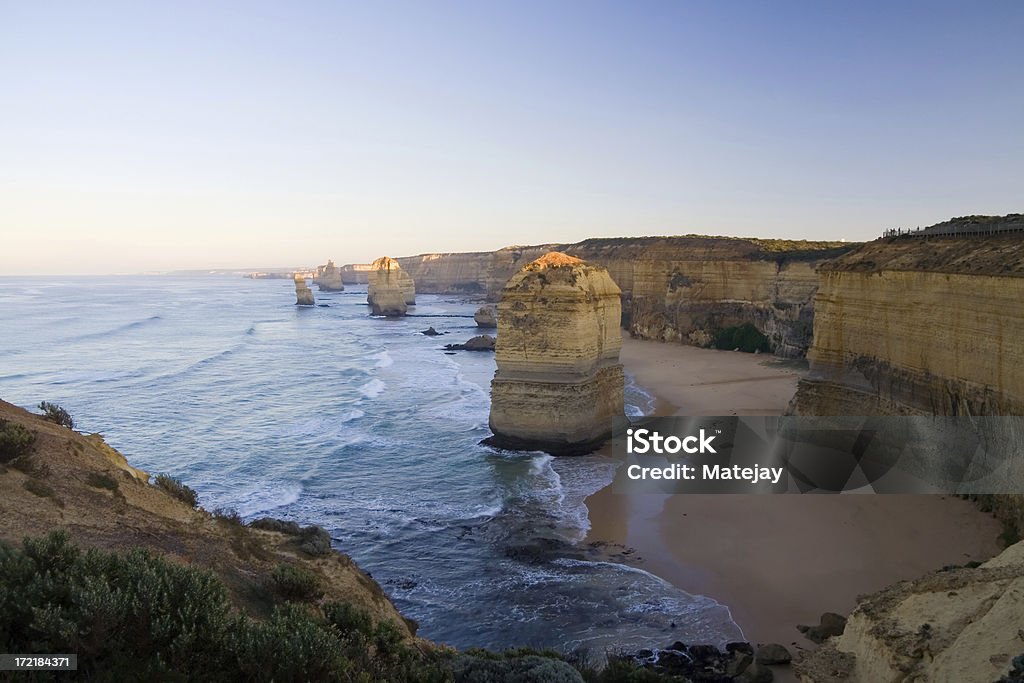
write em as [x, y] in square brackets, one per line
[558, 386]
[303, 294]
[389, 288]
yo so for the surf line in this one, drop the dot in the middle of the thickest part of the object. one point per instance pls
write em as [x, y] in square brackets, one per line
[752, 475]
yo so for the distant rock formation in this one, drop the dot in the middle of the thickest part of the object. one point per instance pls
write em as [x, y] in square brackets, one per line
[483, 342]
[303, 294]
[387, 291]
[486, 316]
[394, 276]
[329, 278]
[558, 385]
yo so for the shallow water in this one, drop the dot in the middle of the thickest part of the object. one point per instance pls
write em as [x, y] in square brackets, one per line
[364, 426]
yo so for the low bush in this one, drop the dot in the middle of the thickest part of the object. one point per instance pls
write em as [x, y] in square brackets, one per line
[15, 441]
[177, 489]
[294, 582]
[54, 413]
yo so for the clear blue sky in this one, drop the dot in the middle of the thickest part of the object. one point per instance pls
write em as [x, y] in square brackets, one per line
[146, 136]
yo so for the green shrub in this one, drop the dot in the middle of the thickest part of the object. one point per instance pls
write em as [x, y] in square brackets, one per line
[15, 441]
[101, 480]
[135, 616]
[348, 619]
[54, 413]
[296, 583]
[177, 489]
[228, 516]
[744, 337]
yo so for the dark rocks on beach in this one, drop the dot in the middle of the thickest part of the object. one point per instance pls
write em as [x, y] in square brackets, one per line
[705, 663]
[832, 624]
[483, 342]
[431, 332]
[773, 653]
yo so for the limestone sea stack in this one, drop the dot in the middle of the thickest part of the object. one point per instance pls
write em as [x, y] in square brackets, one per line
[394, 274]
[329, 278]
[486, 316]
[303, 294]
[558, 386]
[387, 288]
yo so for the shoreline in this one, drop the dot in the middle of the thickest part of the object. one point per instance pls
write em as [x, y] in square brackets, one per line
[782, 560]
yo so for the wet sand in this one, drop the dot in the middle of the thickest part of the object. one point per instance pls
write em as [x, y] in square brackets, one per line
[782, 560]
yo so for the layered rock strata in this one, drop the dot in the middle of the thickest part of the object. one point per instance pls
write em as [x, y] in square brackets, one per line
[329, 278]
[558, 386]
[303, 294]
[676, 289]
[914, 326]
[388, 288]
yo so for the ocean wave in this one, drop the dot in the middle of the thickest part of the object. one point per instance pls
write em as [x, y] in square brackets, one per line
[639, 401]
[384, 360]
[120, 329]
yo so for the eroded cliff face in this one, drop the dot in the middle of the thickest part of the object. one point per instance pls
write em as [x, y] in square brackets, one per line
[909, 326]
[680, 289]
[558, 385]
[959, 625]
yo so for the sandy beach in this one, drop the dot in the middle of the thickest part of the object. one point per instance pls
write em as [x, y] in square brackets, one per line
[775, 561]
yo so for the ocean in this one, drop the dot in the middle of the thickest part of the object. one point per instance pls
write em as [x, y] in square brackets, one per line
[362, 425]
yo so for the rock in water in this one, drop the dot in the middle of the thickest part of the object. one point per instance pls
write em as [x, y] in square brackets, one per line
[483, 342]
[394, 276]
[486, 316]
[329, 278]
[303, 294]
[388, 288]
[558, 385]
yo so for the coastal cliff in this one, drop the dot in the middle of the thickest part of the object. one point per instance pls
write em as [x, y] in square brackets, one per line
[558, 384]
[78, 483]
[956, 625]
[677, 289]
[916, 326]
[927, 323]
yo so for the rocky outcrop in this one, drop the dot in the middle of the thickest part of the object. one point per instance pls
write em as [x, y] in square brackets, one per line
[486, 316]
[303, 294]
[915, 326]
[558, 386]
[328, 278]
[388, 289]
[385, 279]
[677, 289]
[483, 342]
[957, 625]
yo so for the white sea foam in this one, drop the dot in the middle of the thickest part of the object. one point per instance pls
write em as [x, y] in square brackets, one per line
[384, 360]
[266, 497]
[373, 388]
